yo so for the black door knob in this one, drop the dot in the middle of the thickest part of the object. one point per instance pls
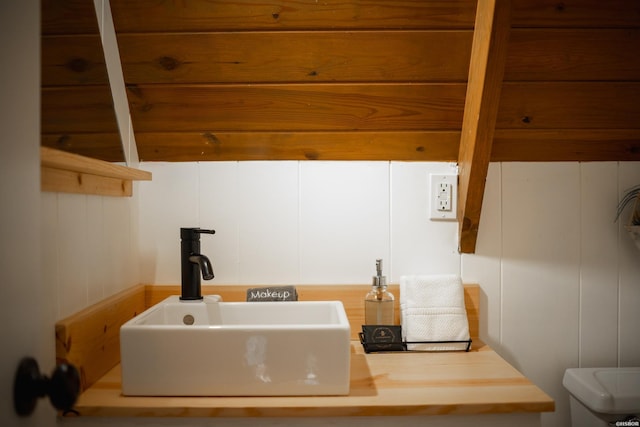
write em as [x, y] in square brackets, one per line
[63, 388]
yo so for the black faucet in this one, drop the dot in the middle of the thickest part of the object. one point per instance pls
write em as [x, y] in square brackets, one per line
[192, 261]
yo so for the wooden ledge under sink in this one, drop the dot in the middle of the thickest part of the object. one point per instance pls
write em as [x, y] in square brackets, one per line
[410, 383]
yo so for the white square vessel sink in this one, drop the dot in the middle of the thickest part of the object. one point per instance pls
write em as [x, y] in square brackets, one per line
[214, 348]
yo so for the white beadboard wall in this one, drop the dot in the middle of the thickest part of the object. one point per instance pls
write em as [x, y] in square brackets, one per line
[296, 222]
[89, 247]
[560, 280]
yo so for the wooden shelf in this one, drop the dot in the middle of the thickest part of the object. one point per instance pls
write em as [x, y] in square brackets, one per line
[71, 173]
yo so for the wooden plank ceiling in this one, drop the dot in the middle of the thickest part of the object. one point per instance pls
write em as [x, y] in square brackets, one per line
[374, 79]
[77, 113]
[347, 79]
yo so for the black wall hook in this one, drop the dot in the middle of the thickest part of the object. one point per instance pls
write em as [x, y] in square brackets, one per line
[62, 388]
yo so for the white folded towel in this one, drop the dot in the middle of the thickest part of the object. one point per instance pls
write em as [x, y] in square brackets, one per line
[432, 309]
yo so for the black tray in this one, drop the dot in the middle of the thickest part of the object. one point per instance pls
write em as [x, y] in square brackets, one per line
[377, 338]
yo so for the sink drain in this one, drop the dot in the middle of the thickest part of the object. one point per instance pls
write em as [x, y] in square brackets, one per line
[188, 319]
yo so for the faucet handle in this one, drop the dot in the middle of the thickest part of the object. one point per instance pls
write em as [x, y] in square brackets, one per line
[203, 231]
[194, 233]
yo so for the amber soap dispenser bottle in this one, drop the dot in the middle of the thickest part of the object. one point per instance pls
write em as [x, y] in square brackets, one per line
[378, 304]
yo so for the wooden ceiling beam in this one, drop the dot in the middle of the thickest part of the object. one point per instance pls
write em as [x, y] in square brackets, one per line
[486, 71]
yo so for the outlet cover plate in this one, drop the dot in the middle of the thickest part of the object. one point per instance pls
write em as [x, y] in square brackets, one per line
[439, 192]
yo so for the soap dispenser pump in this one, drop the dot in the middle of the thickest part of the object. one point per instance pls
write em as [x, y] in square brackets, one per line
[378, 304]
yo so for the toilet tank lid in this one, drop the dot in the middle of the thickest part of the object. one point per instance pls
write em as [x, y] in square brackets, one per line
[605, 390]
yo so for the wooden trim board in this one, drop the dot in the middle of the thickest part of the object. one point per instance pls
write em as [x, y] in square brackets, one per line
[66, 181]
[90, 339]
[57, 159]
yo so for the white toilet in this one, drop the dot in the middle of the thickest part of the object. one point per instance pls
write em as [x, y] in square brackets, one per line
[603, 396]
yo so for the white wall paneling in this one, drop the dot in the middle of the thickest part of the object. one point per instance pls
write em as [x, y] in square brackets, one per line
[218, 210]
[419, 245]
[540, 271]
[629, 278]
[119, 249]
[485, 266]
[344, 221]
[268, 222]
[568, 275]
[72, 253]
[98, 256]
[49, 241]
[598, 265]
[168, 202]
[89, 248]
[296, 222]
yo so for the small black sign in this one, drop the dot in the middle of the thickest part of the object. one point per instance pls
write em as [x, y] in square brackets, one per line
[273, 293]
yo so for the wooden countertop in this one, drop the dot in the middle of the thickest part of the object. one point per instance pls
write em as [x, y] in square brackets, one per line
[405, 383]
[479, 381]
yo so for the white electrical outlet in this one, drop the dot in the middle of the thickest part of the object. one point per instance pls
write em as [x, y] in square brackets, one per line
[443, 197]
